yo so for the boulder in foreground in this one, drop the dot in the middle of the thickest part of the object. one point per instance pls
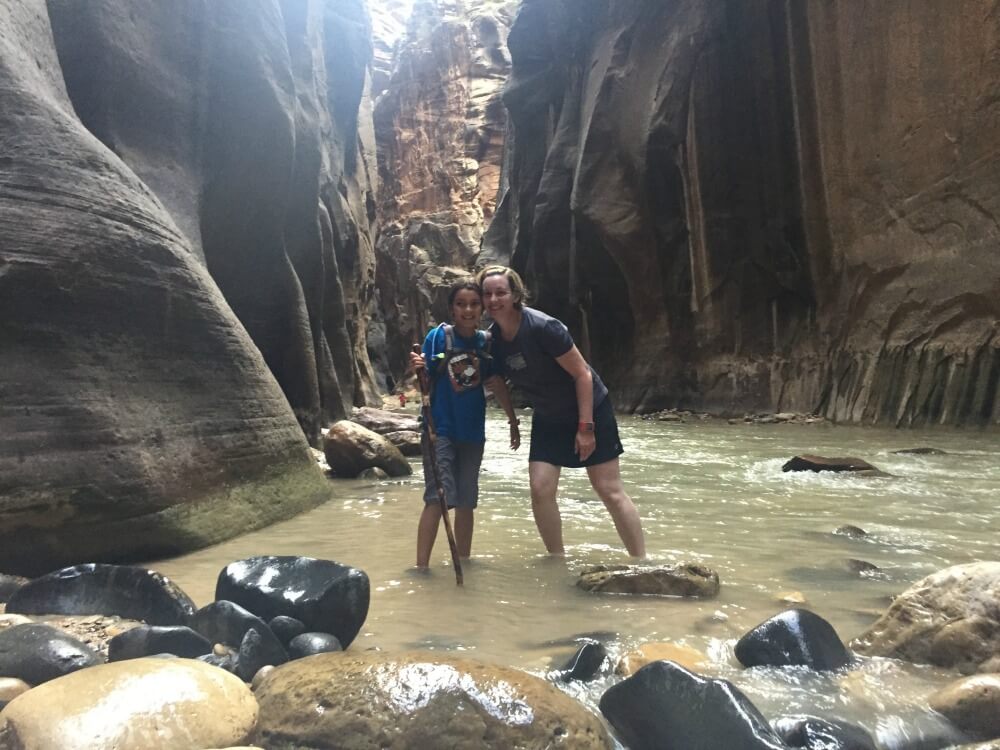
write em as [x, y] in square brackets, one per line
[418, 700]
[796, 637]
[688, 580]
[167, 704]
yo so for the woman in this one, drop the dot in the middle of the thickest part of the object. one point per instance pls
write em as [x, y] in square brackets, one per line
[573, 423]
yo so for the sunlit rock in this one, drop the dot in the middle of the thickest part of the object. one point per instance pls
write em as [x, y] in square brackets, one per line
[351, 448]
[680, 580]
[950, 618]
[688, 657]
[39, 653]
[132, 705]
[10, 688]
[123, 590]
[384, 421]
[408, 442]
[418, 700]
[971, 704]
[796, 637]
[814, 733]
[664, 705]
[325, 596]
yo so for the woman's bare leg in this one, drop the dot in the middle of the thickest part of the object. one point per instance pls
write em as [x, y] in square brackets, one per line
[607, 482]
[544, 486]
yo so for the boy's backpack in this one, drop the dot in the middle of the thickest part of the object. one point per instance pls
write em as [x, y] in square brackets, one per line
[462, 365]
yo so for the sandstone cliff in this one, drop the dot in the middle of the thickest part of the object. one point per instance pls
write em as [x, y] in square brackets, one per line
[439, 127]
[185, 221]
[764, 204]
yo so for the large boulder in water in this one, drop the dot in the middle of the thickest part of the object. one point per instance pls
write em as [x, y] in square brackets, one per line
[418, 700]
[807, 462]
[796, 637]
[139, 418]
[167, 704]
[972, 704]
[679, 580]
[350, 449]
[96, 589]
[664, 705]
[384, 421]
[39, 653]
[950, 618]
[325, 596]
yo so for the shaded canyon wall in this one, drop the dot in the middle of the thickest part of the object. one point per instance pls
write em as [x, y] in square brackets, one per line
[186, 203]
[766, 204]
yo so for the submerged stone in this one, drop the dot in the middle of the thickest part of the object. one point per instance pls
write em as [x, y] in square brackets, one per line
[972, 704]
[325, 596]
[796, 637]
[39, 653]
[813, 733]
[807, 462]
[95, 589]
[920, 452]
[688, 580]
[586, 663]
[854, 532]
[664, 705]
[418, 700]
[688, 657]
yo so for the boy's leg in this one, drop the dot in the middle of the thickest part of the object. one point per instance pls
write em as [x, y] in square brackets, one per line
[544, 478]
[427, 530]
[463, 531]
[607, 482]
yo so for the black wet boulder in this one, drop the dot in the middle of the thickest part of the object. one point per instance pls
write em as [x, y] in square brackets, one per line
[286, 628]
[796, 637]
[39, 653]
[814, 733]
[95, 589]
[228, 623]
[325, 596]
[664, 706]
[309, 644]
[585, 664]
[150, 640]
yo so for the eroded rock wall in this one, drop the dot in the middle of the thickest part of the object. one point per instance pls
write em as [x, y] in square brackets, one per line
[763, 204]
[185, 213]
[439, 127]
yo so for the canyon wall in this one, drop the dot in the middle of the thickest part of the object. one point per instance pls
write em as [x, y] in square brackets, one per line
[186, 208]
[439, 127]
[767, 204]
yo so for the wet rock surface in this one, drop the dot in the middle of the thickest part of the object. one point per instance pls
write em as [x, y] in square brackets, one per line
[39, 653]
[324, 595]
[147, 640]
[587, 663]
[796, 637]
[679, 580]
[133, 705]
[950, 618]
[665, 705]
[972, 704]
[350, 449]
[308, 644]
[820, 734]
[407, 442]
[689, 658]
[9, 584]
[808, 462]
[418, 700]
[127, 591]
[384, 421]
[228, 623]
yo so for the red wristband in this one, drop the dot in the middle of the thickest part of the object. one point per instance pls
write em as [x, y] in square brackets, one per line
[585, 427]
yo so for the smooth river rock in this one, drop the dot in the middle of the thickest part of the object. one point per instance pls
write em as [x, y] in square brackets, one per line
[323, 595]
[807, 462]
[950, 618]
[228, 623]
[147, 640]
[350, 449]
[38, 653]
[124, 590]
[384, 421]
[664, 705]
[140, 704]
[814, 733]
[418, 700]
[796, 637]
[680, 580]
[971, 704]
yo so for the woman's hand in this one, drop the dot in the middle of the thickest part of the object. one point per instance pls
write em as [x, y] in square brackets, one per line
[515, 435]
[586, 444]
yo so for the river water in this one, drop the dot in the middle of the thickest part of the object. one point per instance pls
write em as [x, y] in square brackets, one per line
[708, 492]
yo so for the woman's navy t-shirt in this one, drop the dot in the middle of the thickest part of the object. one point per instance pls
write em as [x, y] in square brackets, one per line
[529, 362]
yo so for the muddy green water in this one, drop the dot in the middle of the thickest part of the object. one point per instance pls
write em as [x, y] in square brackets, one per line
[707, 492]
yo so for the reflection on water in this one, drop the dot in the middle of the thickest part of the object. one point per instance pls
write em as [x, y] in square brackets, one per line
[709, 493]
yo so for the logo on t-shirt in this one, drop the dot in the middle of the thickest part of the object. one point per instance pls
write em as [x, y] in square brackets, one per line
[463, 371]
[515, 362]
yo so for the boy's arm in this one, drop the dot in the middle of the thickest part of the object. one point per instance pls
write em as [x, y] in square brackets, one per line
[499, 387]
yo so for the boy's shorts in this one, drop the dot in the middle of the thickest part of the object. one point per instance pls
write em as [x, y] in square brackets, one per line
[459, 465]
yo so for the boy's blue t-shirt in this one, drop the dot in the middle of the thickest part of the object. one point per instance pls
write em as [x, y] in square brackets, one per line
[457, 416]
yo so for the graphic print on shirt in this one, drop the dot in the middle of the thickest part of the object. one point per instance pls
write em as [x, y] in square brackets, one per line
[515, 362]
[464, 371]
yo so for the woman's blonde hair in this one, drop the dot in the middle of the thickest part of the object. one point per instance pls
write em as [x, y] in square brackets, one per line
[514, 281]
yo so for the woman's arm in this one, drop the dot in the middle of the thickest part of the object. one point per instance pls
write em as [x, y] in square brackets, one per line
[574, 363]
[499, 388]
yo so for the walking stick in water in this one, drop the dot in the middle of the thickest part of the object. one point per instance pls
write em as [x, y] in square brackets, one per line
[425, 402]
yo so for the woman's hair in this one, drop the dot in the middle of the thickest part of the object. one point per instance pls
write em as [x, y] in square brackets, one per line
[467, 283]
[514, 281]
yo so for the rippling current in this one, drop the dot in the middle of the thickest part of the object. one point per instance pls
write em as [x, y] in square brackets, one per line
[707, 492]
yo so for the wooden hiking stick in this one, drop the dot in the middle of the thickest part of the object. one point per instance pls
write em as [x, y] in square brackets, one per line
[425, 402]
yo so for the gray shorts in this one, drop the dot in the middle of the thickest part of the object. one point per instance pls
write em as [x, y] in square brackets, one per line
[459, 466]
